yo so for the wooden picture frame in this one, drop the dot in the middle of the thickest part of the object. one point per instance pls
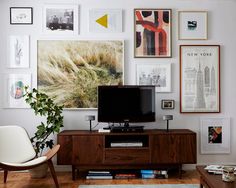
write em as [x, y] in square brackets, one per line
[21, 15]
[167, 104]
[199, 78]
[215, 135]
[192, 25]
[152, 36]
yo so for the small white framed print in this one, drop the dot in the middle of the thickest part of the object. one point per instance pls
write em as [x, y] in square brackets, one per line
[105, 20]
[18, 56]
[215, 135]
[21, 15]
[192, 25]
[60, 19]
[14, 84]
[158, 75]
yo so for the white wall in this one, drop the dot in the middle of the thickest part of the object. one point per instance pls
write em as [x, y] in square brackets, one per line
[221, 28]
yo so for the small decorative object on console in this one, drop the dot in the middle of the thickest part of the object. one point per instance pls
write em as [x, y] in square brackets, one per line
[90, 118]
[167, 118]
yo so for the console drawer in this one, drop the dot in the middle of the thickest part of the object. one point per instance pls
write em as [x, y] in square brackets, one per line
[126, 156]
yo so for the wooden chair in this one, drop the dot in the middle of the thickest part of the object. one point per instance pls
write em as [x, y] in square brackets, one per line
[17, 152]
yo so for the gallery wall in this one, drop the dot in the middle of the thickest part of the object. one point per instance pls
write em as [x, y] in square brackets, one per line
[221, 31]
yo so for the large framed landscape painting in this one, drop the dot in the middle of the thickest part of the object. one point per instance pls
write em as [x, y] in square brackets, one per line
[199, 78]
[152, 33]
[69, 71]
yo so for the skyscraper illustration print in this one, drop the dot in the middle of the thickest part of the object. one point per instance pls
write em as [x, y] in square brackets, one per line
[200, 78]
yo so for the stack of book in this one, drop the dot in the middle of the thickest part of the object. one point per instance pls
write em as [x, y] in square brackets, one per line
[150, 174]
[125, 176]
[127, 144]
[99, 175]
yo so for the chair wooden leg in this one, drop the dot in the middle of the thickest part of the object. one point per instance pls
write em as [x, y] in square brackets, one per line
[52, 170]
[5, 176]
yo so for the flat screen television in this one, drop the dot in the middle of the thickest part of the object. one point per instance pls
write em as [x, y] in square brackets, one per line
[126, 104]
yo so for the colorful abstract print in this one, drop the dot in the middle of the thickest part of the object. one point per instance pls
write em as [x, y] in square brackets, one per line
[152, 33]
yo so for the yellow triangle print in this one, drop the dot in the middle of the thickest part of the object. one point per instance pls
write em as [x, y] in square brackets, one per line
[103, 21]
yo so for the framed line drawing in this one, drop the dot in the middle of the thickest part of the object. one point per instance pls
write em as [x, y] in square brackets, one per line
[199, 78]
[105, 20]
[167, 104]
[158, 75]
[69, 71]
[60, 19]
[15, 84]
[152, 33]
[21, 15]
[18, 47]
[192, 25]
[215, 135]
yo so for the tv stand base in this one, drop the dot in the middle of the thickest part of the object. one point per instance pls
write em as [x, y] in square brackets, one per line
[127, 129]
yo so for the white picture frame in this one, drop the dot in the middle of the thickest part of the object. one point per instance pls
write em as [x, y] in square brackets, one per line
[60, 19]
[19, 51]
[192, 25]
[21, 15]
[215, 135]
[158, 75]
[199, 78]
[14, 84]
[105, 20]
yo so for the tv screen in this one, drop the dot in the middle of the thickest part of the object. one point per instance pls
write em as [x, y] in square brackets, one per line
[124, 104]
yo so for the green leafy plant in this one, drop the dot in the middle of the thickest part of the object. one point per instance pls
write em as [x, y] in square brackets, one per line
[43, 105]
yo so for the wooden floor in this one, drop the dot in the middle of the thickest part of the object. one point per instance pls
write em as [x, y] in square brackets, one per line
[23, 180]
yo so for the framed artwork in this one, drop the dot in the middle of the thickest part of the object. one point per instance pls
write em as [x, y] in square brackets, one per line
[105, 20]
[15, 84]
[199, 78]
[69, 71]
[152, 32]
[215, 135]
[21, 15]
[167, 104]
[192, 25]
[18, 56]
[158, 75]
[60, 19]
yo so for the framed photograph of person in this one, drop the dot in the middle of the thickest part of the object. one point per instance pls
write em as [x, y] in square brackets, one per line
[158, 75]
[192, 25]
[215, 135]
[199, 78]
[60, 19]
[167, 104]
[152, 33]
[21, 15]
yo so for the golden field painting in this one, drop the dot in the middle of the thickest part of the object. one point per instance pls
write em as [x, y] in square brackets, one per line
[69, 71]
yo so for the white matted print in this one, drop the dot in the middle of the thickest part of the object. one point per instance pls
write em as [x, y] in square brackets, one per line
[215, 135]
[15, 84]
[60, 19]
[192, 25]
[158, 75]
[105, 20]
[21, 15]
[18, 51]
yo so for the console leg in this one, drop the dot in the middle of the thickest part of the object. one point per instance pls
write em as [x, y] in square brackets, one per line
[73, 172]
[180, 171]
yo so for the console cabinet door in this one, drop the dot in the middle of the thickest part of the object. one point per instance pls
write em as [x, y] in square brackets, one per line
[188, 149]
[87, 150]
[165, 149]
[64, 154]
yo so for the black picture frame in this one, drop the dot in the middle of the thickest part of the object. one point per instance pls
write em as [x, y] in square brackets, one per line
[21, 15]
[167, 104]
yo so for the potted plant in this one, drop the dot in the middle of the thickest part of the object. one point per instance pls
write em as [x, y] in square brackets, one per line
[43, 105]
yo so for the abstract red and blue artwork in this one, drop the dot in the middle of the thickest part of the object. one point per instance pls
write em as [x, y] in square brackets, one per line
[152, 33]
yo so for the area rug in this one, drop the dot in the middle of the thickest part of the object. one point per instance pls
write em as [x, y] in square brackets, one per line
[142, 186]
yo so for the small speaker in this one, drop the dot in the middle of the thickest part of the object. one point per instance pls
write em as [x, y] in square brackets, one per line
[89, 118]
[168, 117]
